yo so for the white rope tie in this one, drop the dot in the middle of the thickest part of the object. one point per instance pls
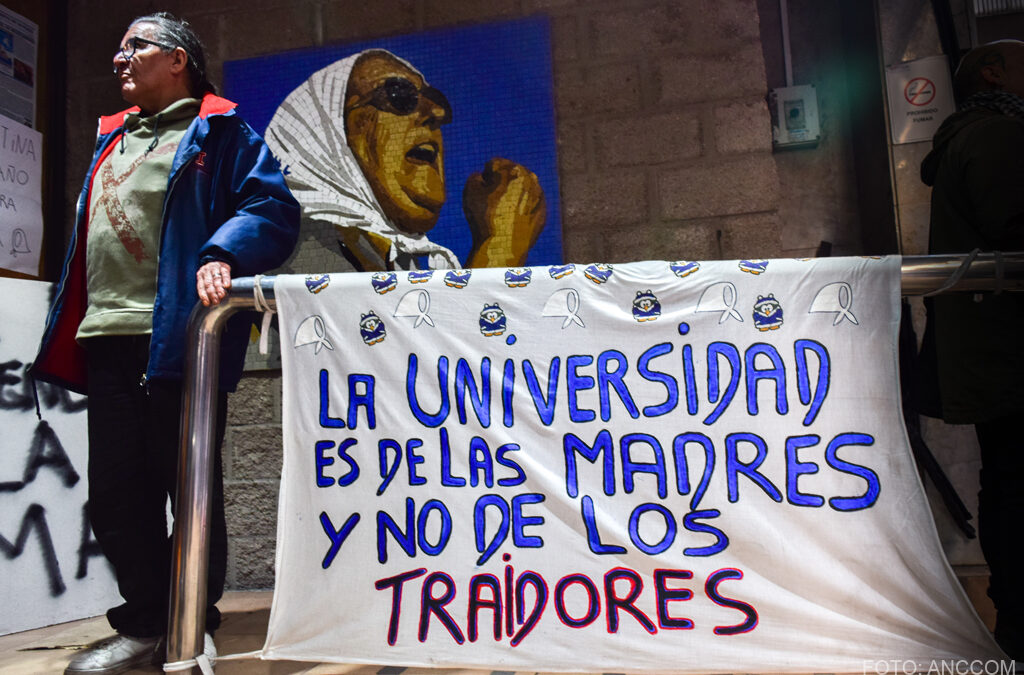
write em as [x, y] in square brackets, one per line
[268, 312]
[206, 666]
[203, 661]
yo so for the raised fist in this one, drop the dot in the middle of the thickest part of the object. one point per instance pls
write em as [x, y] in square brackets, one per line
[504, 205]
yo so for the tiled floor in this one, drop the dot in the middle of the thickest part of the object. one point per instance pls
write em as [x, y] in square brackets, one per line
[46, 651]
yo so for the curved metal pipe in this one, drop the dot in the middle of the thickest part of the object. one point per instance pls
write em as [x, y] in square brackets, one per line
[187, 615]
[186, 621]
[925, 273]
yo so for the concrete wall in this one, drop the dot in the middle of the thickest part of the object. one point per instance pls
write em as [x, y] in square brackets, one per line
[664, 147]
[820, 200]
[664, 140]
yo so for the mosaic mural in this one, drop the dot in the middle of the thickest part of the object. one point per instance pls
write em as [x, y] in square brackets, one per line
[428, 150]
[431, 150]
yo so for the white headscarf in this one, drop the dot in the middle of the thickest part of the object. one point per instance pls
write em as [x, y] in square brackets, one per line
[307, 134]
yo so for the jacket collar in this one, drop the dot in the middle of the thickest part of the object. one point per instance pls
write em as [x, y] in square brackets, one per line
[211, 105]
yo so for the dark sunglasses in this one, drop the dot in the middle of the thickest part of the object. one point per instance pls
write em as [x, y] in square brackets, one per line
[131, 45]
[399, 96]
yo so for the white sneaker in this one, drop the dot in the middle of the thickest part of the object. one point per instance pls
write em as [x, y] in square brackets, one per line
[115, 655]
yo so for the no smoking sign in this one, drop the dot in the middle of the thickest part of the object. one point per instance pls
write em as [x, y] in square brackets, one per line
[919, 91]
[920, 97]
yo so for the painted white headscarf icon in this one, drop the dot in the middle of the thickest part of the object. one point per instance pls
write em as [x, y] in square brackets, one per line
[19, 242]
[720, 297]
[838, 298]
[415, 303]
[566, 303]
[312, 331]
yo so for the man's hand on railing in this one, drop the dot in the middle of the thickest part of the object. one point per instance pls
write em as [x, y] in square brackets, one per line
[213, 281]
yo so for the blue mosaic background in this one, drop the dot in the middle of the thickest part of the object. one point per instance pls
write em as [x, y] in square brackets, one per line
[499, 81]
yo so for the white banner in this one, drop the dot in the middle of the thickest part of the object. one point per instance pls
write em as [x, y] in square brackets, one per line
[650, 467]
[52, 569]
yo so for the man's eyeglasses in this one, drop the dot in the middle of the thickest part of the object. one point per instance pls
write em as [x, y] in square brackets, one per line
[131, 45]
[400, 96]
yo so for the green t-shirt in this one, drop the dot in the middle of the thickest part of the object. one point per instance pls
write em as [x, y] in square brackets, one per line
[125, 212]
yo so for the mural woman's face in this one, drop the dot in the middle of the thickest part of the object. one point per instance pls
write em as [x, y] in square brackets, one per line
[393, 124]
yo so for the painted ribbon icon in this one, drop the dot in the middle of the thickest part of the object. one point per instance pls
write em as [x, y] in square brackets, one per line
[838, 298]
[415, 303]
[564, 303]
[312, 331]
[720, 297]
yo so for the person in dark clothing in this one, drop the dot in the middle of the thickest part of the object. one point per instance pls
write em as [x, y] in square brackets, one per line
[971, 346]
[181, 195]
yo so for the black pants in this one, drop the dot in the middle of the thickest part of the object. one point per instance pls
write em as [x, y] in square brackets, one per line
[133, 452]
[1001, 525]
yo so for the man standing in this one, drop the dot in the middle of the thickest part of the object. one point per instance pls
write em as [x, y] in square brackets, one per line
[181, 195]
[973, 341]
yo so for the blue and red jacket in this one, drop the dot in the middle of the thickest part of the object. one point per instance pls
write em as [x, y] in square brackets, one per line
[226, 198]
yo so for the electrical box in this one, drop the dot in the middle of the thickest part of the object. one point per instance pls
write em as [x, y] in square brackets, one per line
[794, 112]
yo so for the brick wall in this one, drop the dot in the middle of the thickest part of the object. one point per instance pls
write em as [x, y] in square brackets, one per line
[664, 149]
[252, 469]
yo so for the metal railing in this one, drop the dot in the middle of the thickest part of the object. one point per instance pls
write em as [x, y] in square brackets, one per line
[920, 275]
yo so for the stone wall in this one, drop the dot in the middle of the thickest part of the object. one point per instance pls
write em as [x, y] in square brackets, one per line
[664, 150]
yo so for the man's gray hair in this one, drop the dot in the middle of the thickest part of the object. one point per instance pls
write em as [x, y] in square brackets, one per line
[179, 33]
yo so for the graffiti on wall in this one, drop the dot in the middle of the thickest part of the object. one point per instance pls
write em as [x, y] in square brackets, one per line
[51, 568]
